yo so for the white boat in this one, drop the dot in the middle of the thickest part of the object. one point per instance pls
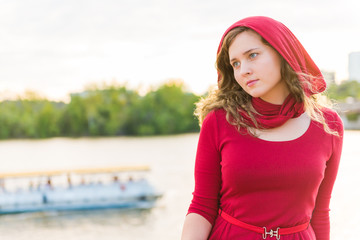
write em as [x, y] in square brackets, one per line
[112, 192]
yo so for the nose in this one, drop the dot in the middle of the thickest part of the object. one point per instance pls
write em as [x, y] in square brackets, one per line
[245, 69]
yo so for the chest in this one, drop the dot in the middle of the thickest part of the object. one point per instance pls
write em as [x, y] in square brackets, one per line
[255, 164]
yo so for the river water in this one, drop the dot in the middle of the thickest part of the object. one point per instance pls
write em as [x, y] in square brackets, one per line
[171, 159]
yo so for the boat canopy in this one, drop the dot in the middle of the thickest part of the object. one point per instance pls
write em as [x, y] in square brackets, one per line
[78, 171]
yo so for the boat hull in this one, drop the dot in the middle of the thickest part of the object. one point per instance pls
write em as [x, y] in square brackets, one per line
[89, 197]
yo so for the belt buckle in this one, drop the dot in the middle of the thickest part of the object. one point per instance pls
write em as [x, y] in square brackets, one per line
[271, 233]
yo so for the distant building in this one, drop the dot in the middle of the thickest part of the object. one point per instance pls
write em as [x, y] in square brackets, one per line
[354, 66]
[328, 76]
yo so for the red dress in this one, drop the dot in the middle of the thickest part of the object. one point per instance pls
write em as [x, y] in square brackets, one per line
[263, 183]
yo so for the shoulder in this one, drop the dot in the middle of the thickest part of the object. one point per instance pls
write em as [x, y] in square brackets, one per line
[215, 115]
[214, 120]
[209, 131]
[331, 116]
[333, 119]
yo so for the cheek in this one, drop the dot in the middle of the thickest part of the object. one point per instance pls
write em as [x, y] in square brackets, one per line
[239, 79]
[275, 66]
[275, 73]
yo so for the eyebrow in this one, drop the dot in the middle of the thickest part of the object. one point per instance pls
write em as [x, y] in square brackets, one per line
[244, 53]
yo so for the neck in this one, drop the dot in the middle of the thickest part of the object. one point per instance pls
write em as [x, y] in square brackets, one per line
[277, 100]
[277, 94]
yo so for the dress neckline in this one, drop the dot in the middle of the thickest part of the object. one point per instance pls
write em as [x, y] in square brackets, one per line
[299, 138]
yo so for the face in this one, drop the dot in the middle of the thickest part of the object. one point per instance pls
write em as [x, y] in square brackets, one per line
[257, 68]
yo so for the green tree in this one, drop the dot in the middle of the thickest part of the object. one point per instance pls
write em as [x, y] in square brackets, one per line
[73, 121]
[344, 90]
[47, 121]
[167, 110]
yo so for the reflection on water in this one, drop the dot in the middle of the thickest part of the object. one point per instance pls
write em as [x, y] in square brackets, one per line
[72, 218]
[80, 224]
[171, 159]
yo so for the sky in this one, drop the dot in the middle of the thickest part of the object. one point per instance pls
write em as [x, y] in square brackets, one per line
[57, 47]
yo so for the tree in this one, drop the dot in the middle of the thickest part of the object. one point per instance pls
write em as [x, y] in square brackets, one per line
[344, 90]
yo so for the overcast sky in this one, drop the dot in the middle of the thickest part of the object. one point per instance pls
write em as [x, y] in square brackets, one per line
[58, 46]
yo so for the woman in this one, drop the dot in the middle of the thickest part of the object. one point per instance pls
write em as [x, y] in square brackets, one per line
[269, 150]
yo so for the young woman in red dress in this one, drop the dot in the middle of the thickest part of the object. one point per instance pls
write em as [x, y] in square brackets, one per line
[269, 149]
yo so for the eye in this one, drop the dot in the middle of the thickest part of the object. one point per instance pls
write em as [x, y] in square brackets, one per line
[253, 55]
[235, 64]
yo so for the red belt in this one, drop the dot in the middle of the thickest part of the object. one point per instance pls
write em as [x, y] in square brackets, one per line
[272, 233]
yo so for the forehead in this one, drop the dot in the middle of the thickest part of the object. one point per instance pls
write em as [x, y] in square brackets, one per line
[245, 41]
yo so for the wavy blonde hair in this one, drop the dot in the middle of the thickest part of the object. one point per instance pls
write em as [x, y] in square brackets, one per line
[233, 99]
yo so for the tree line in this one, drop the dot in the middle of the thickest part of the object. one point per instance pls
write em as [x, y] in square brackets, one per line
[347, 89]
[102, 111]
[115, 110]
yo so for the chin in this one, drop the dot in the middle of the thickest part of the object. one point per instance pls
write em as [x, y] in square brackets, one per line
[254, 94]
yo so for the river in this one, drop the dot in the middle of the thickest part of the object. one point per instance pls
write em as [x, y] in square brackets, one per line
[171, 159]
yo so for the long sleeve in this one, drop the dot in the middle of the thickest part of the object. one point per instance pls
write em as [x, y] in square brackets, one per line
[207, 171]
[320, 220]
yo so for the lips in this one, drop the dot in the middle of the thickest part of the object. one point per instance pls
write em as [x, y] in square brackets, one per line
[251, 82]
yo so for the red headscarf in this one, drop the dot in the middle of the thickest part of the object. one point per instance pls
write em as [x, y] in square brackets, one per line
[289, 47]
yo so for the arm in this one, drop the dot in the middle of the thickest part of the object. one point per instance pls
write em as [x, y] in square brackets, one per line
[320, 220]
[195, 227]
[205, 203]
